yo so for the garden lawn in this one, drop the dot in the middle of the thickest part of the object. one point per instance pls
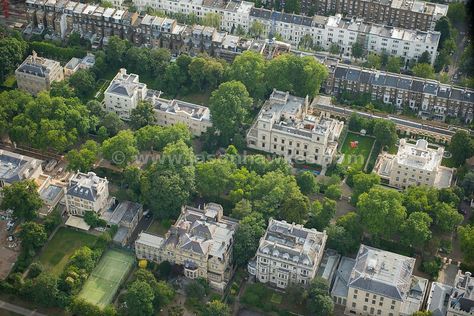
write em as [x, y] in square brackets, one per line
[158, 227]
[261, 298]
[356, 157]
[57, 251]
[201, 97]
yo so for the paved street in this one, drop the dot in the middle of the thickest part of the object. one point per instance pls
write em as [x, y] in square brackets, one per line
[18, 309]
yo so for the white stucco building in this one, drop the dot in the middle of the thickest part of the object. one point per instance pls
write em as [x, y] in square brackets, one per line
[87, 192]
[382, 283]
[170, 112]
[287, 254]
[286, 127]
[414, 164]
[124, 93]
[328, 30]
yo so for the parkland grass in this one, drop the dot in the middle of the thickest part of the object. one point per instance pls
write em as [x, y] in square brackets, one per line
[61, 247]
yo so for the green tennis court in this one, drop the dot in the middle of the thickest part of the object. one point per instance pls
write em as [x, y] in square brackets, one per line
[105, 279]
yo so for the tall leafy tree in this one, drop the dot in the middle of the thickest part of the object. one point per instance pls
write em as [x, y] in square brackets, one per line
[83, 82]
[139, 299]
[120, 149]
[419, 199]
[363, 182]
[423, 70]
[321, 214]
[319, 302]
[466, 239]
[212, 19]
[217, 308]
[256, 29]
[461, 147]
[167, 184]
[23, 198]
[33, 235]
[385, 132]
[357, 49]
[249, 68]
[307, 182]
[416, 229]
[115, 50]
[229, 106]
[84, 158]
[394, 64]
[213, 177]
[446, 217]
[300, 76]
[12, 52]
[142, 115]
[247, 238]
[381, 211]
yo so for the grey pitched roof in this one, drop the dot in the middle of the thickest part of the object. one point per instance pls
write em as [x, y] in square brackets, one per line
[82, 192]
[14, 167]
[84, 185]
[34, 69]
[382, 272]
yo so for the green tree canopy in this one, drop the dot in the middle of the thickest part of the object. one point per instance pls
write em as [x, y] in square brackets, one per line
[394, 64]
[416, 229]
[249, 68]
[307, 182]
[229, 106]
[385, 132]
[23, 198]
[121, 149]
[247, 238]
[321, 214]
[423, 70]
[363, 182]
[213, 177]
[83, 82]
[84, 158]
[461, 147]
[212, 19]
[446, 217]
[33, 235]
[139, 299]
[301, 76]
[256, 29]
[381, 211]
[217, 308]
[466, 239]
[357, 49]
[142, 115]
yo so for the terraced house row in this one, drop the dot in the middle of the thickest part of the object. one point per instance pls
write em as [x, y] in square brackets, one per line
[431, 99]
[97, 24]
[324, 32]
[406, 40]
[411, 14]
[59, 18]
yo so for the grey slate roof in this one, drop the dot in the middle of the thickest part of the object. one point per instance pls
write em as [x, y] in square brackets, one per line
[13, 166]
[382, 273]
[84, 186]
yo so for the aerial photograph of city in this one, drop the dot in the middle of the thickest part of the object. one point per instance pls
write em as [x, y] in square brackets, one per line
[236, 157]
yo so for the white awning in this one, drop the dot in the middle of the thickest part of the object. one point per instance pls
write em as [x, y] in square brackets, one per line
[77, 222]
